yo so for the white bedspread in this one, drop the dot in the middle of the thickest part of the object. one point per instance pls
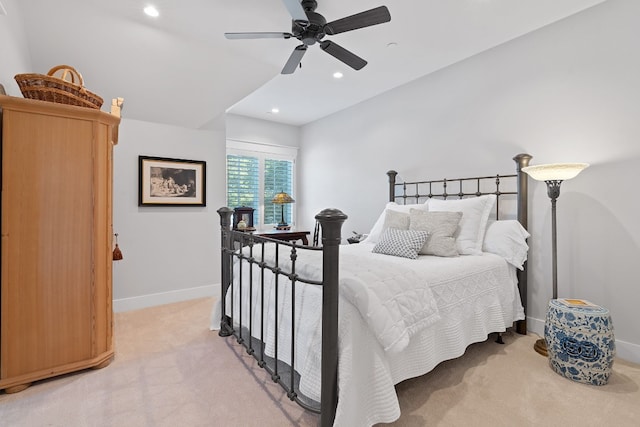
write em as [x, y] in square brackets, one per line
[417, 314]
[394, 300]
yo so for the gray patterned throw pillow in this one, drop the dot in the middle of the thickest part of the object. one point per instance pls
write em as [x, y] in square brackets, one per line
[402, 243]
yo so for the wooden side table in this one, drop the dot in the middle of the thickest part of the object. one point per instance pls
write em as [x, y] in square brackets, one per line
[287, 235]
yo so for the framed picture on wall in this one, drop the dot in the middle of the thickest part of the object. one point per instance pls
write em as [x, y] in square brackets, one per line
[171, 182]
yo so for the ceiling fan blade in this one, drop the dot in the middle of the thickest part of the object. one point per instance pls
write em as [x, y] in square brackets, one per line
[342, 54]
[294, 59]
[237, 36]
[368, 18]
[297, 12]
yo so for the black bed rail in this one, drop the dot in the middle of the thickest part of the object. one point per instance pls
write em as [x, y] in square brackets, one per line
[331, 221]
[481, 185]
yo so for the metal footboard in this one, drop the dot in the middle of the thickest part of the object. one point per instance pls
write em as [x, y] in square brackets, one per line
[331, 221]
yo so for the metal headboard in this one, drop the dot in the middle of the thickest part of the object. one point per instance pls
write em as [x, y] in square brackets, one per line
[420, 191]
[411, 191]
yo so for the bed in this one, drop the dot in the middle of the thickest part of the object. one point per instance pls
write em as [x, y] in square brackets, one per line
[339, 325]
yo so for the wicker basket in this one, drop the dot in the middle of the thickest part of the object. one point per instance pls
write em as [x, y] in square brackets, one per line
[51, 88]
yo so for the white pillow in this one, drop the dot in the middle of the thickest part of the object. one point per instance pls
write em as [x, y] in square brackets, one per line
[473, 225]
[402, 243]
[378, 227]
[507, 238]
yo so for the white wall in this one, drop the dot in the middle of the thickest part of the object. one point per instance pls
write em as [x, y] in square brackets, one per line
[170, 253]
[15, 58]
[248, 129]
[568, 92]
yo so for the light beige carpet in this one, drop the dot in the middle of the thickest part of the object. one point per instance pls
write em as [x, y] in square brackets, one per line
[170, 370]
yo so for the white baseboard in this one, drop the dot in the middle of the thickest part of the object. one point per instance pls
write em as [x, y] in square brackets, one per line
[535, 325]
[624, 350]
[151, 300]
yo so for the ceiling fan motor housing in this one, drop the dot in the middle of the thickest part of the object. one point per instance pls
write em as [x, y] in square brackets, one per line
[309, 5]
[311, 33]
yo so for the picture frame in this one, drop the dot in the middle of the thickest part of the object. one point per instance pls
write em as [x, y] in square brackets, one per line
[164, 181]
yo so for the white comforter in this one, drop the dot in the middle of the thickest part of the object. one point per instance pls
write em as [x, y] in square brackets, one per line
[398, 318]
[395, 301]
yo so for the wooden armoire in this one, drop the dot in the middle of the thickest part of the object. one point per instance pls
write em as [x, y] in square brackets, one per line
[56, 312]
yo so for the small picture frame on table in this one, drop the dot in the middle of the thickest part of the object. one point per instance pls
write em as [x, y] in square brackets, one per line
[164, 181]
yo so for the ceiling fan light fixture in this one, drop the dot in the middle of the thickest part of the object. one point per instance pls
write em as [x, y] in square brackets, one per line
[151, 11]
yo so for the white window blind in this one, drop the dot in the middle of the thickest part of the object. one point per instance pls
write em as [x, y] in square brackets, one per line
[243, 183]
[255, 174]
[278, 177]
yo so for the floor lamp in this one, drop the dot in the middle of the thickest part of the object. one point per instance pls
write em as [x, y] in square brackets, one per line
[553, 175]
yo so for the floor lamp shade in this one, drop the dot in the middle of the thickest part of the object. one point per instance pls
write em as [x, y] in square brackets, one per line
[555, 171]
[553, 175]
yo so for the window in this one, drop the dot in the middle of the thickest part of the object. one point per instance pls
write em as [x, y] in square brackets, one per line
[255, 174]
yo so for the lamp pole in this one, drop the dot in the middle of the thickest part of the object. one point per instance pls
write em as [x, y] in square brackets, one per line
[553, 191]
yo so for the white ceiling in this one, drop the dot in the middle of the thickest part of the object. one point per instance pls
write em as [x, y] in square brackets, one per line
[179, 69]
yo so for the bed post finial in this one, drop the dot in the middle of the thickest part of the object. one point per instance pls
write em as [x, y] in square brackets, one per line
[331, 221]
[392, 185]
[225, 230]
[225, 217]
[522, 160]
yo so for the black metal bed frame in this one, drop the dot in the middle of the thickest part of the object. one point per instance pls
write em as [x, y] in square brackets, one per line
[330, 221]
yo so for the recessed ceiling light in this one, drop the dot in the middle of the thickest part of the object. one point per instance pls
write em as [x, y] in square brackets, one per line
[275, 110]
[337, 75]
[151, 11]
[392, 44]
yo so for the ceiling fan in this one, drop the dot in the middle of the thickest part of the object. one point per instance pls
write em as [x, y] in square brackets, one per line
[310, 27]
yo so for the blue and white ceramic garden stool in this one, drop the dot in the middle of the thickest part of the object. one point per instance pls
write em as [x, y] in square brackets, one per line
[580, 342]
